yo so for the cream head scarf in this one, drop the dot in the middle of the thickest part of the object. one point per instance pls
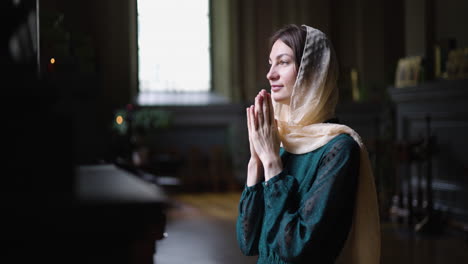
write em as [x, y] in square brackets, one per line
[301, 128]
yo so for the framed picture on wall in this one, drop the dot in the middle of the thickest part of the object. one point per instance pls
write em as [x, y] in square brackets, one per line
[408, 72]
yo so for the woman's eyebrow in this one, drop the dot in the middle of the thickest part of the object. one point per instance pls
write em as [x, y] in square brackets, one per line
[281, 55]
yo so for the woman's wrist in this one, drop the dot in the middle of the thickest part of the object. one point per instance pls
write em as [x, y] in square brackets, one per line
[254, 162]
[254, 172]
[272, 167]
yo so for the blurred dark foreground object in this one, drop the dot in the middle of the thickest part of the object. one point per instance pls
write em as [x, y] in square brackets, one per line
[54, 210]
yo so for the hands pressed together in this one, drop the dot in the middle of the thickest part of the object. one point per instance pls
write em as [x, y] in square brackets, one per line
[264, 140]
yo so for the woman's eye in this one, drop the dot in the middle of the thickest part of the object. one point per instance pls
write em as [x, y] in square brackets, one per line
[283, 62]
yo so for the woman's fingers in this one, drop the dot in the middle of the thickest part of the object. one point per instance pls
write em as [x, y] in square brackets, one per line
[249, 128]
[247, 112]
[266, 108]
[253, 121]
[272, 111]
[254, 118]
[259, 110]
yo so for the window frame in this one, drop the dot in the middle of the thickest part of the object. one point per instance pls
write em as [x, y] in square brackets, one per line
[178, 97]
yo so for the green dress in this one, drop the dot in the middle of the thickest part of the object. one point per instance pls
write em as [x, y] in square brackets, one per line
[303, 214]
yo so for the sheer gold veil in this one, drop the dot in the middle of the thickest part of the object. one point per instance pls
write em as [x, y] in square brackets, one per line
[301, 130]
[315, 94]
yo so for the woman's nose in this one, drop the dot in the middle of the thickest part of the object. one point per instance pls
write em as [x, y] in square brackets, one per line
[272, 74]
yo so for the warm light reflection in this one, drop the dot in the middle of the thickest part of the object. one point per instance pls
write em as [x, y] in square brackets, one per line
[119, 119]
[52, 61]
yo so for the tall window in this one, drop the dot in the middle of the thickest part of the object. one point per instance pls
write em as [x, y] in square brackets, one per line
[174, 46]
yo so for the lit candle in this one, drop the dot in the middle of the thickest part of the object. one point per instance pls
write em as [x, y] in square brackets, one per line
[51, 64]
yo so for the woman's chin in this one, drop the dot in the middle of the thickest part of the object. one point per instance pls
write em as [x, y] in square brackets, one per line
[280, 99]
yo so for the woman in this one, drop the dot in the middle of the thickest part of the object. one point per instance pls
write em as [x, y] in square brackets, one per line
[310, 195]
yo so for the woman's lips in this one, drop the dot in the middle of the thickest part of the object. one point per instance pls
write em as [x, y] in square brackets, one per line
[275, 88]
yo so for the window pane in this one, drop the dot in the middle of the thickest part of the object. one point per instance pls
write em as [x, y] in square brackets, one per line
[173, 45]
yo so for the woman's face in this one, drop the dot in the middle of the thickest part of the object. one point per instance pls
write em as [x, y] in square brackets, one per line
[283, 72]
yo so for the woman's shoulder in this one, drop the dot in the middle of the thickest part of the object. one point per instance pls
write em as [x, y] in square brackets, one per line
[344, 143]
[340, 142]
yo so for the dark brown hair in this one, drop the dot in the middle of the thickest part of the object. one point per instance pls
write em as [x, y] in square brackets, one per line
[294, 36]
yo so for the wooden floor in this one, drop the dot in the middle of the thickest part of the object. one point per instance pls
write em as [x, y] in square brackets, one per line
[201, 230]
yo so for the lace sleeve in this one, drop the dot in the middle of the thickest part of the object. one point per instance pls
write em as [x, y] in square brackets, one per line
[316, 224]
[249, 220]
